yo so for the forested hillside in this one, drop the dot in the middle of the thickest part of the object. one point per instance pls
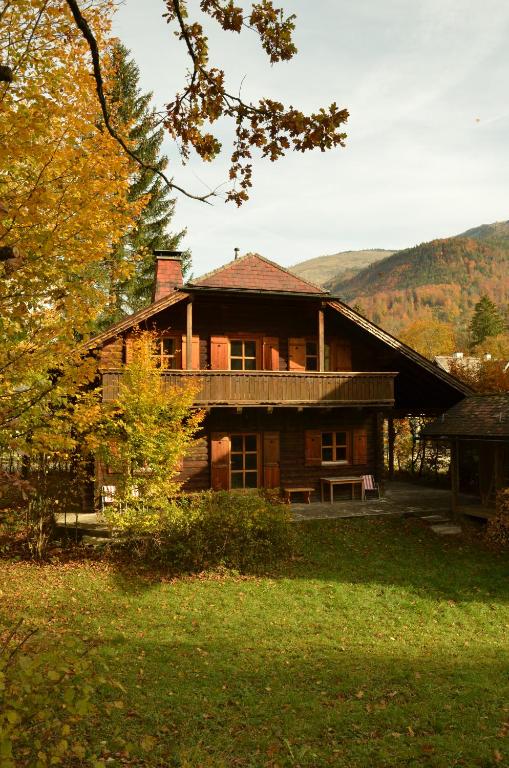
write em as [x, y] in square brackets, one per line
[442, 279]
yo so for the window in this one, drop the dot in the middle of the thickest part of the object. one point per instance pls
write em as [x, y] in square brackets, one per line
[335, 447]
[243, 355]
[164, 353]
[244, 461]
[311, 356]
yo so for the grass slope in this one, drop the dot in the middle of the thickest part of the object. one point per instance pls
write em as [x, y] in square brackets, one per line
[380, 646]
[344, 265]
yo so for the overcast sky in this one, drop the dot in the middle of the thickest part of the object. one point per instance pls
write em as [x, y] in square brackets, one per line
[427, 154]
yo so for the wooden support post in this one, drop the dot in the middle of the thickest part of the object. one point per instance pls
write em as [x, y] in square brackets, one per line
[321, 340]
[189, 335]
[454, 476]
[379, 451]
[391, 437]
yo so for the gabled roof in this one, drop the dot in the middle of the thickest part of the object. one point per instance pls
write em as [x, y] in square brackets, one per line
[398, 346]
[482, 416]
[254, 272]
[138, 317]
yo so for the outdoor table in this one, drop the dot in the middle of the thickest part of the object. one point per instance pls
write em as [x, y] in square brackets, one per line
[332, 481]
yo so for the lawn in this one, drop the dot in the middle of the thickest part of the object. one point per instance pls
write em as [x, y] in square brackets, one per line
[379, 645]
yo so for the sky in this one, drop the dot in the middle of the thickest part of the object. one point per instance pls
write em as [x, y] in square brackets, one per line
[427, 153]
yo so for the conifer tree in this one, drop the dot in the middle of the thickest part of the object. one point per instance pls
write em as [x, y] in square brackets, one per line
[129, 269]
[486, 321]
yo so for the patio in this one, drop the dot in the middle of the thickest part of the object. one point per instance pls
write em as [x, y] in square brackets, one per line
[400, 499]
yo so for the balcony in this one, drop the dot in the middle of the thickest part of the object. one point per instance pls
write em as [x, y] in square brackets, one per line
[275, 388]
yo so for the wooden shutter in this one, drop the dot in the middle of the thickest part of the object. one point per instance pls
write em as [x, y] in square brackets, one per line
[195, 362]
[270, 353]
[219, 353]
[341, 355]
[271, 471]
[296, 354]
[220, 461]
[360, 446]
[313, 447]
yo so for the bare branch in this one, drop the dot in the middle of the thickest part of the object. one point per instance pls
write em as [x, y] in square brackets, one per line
[94, 50]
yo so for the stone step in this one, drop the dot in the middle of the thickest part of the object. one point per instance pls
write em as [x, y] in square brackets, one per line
[446, 529]
[436, 518]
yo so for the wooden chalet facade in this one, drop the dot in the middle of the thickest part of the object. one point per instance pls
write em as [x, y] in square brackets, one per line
[296, 385]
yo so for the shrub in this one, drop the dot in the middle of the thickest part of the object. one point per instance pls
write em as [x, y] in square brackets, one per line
[498, 527]
[45, 698]
[239, 530]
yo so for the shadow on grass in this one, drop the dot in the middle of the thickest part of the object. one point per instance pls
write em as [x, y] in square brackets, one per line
[310, 703]
[402, 553]
[391, 553]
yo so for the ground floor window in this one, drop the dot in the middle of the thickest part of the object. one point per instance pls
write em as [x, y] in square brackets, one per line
[244, 458]
[335, 447]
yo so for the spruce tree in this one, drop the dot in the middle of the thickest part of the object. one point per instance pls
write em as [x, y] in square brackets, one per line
[136, 118]
[486, 321]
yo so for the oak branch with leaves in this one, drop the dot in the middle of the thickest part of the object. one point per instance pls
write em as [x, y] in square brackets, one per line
[267, 126]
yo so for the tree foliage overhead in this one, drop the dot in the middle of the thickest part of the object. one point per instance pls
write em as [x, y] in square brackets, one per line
[267, 125]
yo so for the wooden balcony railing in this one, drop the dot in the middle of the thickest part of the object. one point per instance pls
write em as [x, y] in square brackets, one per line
[275, 388]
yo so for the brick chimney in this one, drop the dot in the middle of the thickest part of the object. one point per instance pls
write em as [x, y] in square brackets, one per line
[168, 273]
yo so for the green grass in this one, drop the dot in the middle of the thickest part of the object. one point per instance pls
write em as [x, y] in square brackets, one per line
[381, 645]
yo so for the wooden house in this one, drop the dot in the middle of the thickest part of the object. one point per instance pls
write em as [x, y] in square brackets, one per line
[296, 384]
[477, 429]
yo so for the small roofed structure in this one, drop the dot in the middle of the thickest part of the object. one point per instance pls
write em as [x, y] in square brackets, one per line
[477, 429]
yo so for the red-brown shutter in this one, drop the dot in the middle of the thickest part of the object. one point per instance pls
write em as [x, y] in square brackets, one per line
[195, 362]
[270, 353]
[219, 353]
[313, 447]
[360, 446]
[271, 471]
[296, 354]
[220, 461]
[341, 355]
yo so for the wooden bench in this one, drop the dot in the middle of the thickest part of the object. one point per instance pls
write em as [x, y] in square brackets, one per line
[298, 489]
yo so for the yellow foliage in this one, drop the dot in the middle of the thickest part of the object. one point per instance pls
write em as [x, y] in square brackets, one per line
[429, 337]
[63, 201]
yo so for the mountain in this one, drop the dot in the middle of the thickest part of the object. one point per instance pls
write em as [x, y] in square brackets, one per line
[442, 279]
[496, 234]
[343, 265]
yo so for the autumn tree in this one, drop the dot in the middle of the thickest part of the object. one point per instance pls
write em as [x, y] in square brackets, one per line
[486, 321]
[129, 269]
[266, 125]
[146, 432]
[429, 337]
[64, 202]
[496, 346]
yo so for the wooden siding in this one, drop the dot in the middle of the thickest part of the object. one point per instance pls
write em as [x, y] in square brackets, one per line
[290, 388]
[291, 428]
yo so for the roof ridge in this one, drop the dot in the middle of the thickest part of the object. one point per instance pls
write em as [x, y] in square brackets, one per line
[130, 320]
[238, 260]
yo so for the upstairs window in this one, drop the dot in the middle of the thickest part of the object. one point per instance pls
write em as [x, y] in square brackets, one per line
[311, 356]
[244, 461]
[243, 355]
[165, 353]
[335, 447]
